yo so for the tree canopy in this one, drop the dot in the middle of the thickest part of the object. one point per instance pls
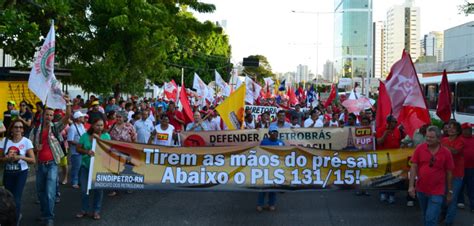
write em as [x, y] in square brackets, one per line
[467, 8]
[115, 45]
[264, 69]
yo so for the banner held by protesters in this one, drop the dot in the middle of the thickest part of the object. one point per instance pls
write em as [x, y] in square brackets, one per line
[121, 165]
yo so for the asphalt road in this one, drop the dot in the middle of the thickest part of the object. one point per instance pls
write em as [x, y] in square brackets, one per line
[233, 208]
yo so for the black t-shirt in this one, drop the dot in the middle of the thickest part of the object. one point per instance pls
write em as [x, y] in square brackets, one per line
[27, 115]
[7, 118]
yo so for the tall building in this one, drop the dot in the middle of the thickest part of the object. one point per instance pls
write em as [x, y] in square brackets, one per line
[433, 44]
[379, 49]
[288, 76]
[403, 32]
[302, 74]
[422, 47]
[6, 60]
[458, 42]
[353, 38]
[329, 71]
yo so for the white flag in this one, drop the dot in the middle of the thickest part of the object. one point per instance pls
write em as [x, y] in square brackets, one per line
[253, 90]
[200, 86]
[210, 94]
[225, 89]
[234, 80]
[269, 82]
[42, 80]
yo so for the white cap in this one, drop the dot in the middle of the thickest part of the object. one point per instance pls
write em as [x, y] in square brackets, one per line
[78, 114]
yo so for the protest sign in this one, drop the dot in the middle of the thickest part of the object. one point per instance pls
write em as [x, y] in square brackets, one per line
[120, 165]
[347, 138]
[258, 110]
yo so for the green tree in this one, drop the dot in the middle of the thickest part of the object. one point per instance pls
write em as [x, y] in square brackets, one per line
[264, 69]
[202, 48]
[115, 45]
[467, 8]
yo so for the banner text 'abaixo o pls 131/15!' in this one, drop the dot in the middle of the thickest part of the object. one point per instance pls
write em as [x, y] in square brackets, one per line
[347, 138]
[119, 165]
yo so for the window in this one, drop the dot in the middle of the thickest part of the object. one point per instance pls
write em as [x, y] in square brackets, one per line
[431, 93]
[465, 97]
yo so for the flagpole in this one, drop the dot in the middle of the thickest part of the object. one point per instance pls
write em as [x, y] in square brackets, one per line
[44, 106]
[42, 120]
[182, 76]
[182, 82]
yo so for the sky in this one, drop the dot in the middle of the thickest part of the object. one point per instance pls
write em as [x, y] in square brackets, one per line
[287, 38]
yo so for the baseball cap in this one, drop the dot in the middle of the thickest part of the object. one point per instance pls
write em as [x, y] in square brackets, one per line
[11, 102]
[273, 128]
[466, 125]
[95, 103]
[77, 115]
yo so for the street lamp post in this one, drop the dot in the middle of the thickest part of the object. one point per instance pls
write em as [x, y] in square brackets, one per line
[369, 46]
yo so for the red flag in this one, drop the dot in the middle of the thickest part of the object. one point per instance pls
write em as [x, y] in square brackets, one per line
[331, 97]
[443, 110]
[171, 90]
[384, 108]
[187, 112]
[292, 96]
[407, 99]
[302, 93]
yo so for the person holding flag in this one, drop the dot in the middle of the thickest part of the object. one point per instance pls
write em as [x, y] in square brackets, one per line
[44, 84]
[49, 153]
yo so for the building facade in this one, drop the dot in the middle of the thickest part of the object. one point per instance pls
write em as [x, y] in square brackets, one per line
[353, 38]
[302, 74]
[379, 50]
[403, 32]
[329, 71]
[433, 44]
[458, 42]
[6, 60]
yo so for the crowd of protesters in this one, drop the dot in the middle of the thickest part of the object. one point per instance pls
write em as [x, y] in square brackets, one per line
[50, 137]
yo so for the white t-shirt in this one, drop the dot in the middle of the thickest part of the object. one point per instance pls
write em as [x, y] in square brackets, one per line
[217, 122]
[249, 125]
[333, 123]
[144, 129]
[309, 121]
[130, 115]
[164, 137]
[295, 126]
[72, 135]
[20, 148]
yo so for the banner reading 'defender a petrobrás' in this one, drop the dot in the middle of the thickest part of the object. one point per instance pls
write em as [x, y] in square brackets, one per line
[327, 138]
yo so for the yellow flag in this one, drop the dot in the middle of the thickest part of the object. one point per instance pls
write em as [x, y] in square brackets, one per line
[232, 109]
[277, 85]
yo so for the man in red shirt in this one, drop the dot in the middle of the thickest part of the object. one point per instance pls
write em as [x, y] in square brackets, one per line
[455, 144]
[432, 164]
[46, 140]
[175, 116]
[468, 182]
[389, 138]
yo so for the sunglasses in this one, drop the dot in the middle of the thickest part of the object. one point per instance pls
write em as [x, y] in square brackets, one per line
[18, 127]
[432, 161]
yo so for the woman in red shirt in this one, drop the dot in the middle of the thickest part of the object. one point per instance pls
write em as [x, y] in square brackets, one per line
[455, 144]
